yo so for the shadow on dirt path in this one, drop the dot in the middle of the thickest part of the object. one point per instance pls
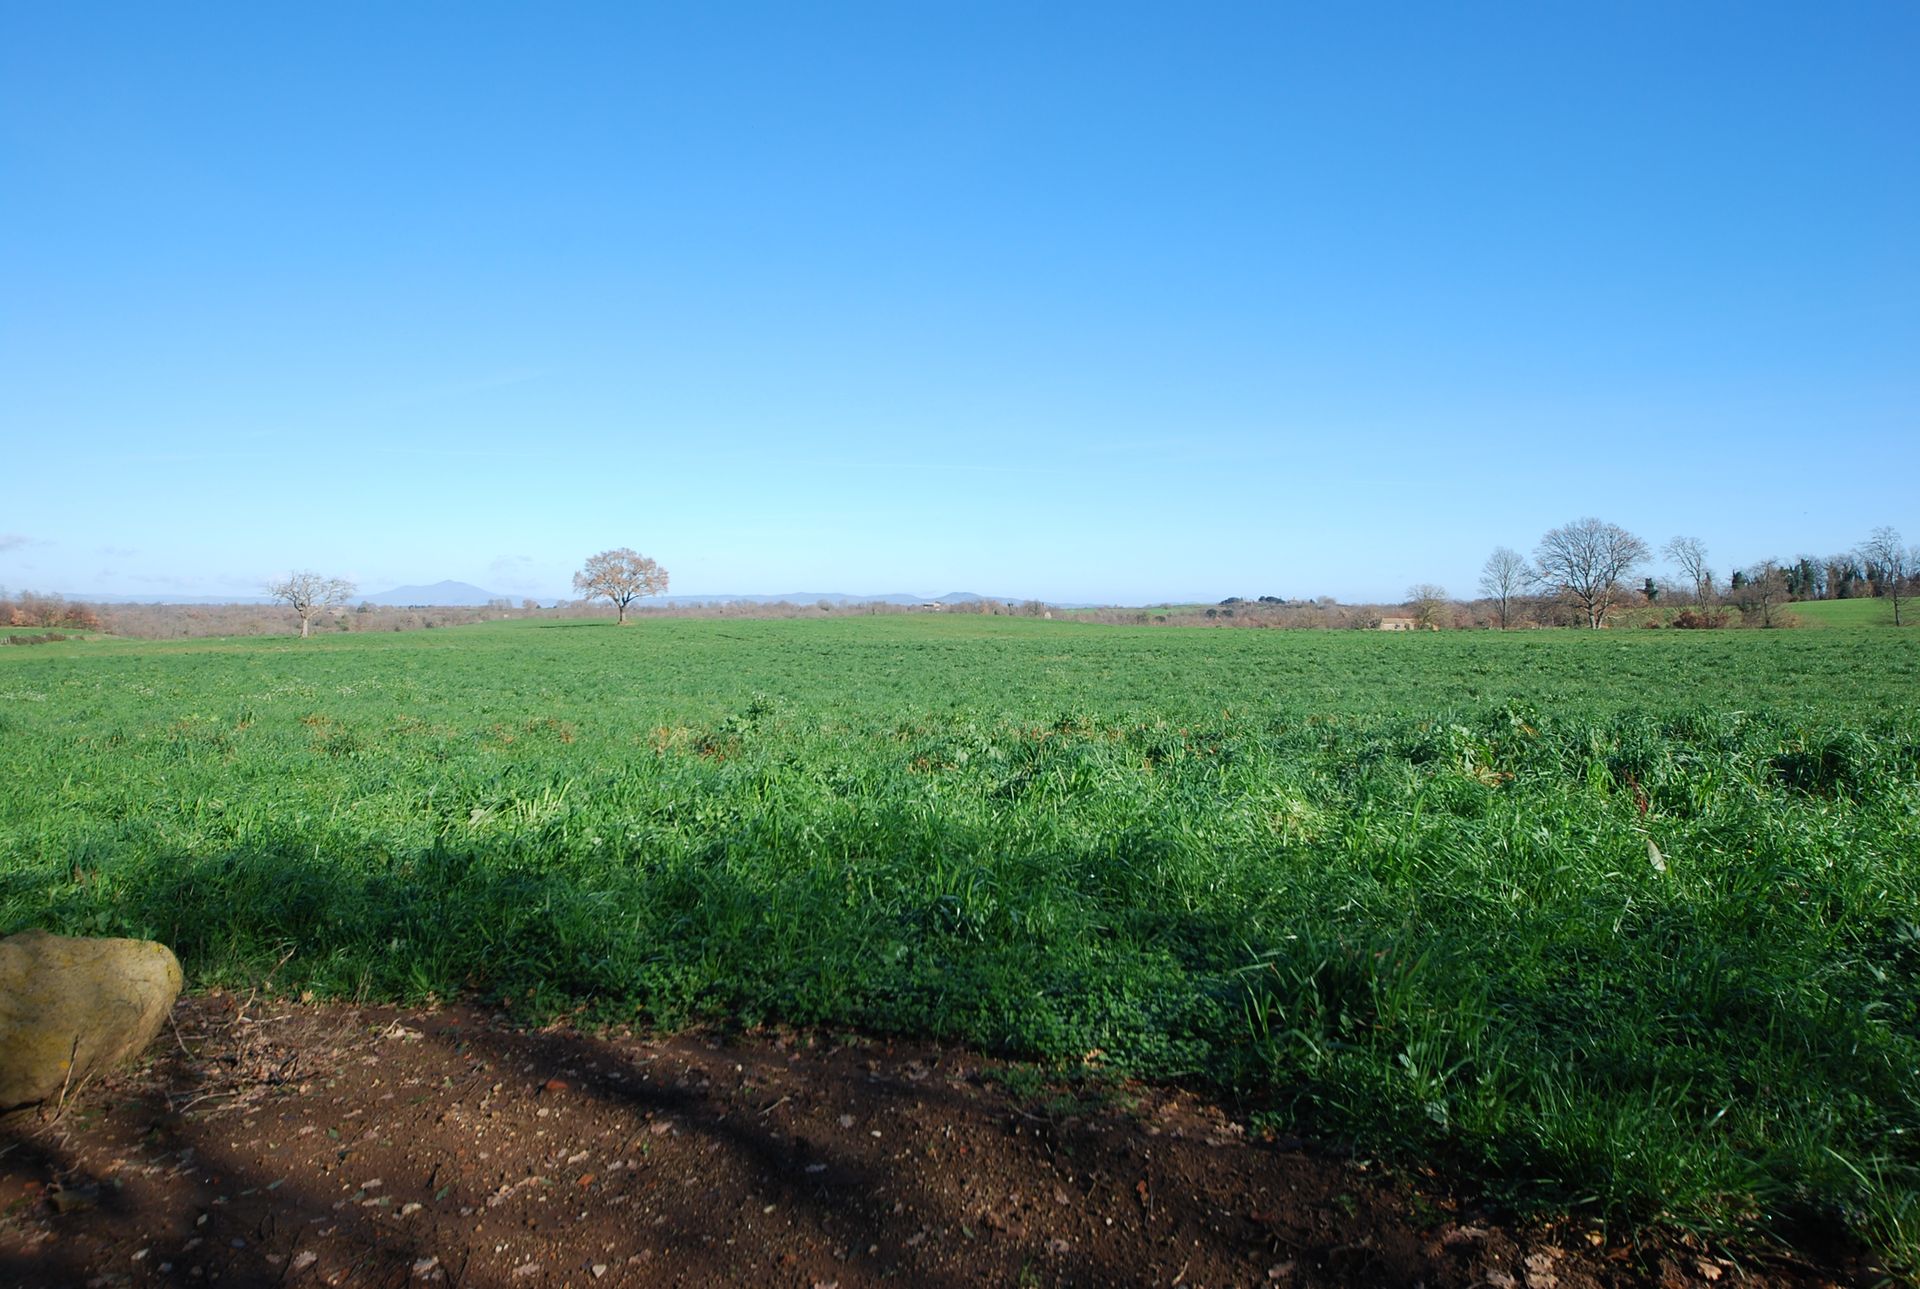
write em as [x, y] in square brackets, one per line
[276, 1143]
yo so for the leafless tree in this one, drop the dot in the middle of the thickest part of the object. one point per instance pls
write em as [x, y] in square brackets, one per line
[1428, 602]
[1763, 590]
[1504, 578]
[1585, 560]
[309, 595]
[1890, 565]
[621, 576]
[1690, 553]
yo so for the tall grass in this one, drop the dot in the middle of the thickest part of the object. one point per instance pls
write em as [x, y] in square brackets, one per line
[1627, 925]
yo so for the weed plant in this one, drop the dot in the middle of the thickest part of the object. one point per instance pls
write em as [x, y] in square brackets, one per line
[1621, 924]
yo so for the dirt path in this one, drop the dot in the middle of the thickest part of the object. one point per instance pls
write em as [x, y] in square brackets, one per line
[280, 1143]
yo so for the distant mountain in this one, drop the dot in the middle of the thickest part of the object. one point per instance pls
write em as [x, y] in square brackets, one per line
[442, 594]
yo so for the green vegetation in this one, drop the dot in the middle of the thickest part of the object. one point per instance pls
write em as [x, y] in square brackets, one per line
[1625, 922]
[1841, 613]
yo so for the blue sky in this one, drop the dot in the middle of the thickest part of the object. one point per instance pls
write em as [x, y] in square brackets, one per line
[1085, 302]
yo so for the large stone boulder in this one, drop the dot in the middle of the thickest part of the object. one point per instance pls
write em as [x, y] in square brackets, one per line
[70, 1008]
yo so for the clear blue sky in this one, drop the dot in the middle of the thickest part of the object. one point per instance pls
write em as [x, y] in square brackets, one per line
[1085, 302]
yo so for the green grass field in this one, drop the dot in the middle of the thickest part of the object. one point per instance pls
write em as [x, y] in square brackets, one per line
[1622, 922]
[1851, 613]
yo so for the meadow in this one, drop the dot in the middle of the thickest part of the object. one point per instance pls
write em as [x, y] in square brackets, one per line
[1623, 923]
[1846, 613]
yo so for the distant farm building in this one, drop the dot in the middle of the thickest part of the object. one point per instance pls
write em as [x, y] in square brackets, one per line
[1399, 624]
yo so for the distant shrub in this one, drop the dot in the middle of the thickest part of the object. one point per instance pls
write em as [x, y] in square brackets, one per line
[34, 610]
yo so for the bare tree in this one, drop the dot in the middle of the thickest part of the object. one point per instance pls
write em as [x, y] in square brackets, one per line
[1763, 590]
[1890, 566]
[309, 595]
[1690, 553]
[1504, 578]
[1428, 601]
[622, 576]
[1585, 560]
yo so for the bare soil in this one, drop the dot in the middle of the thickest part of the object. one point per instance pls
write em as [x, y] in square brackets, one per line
[278, 1142]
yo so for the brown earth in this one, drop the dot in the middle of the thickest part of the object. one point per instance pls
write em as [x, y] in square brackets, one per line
[308, 1144]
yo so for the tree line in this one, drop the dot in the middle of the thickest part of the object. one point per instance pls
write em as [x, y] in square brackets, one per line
[1590, 564]
[1580, 573]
